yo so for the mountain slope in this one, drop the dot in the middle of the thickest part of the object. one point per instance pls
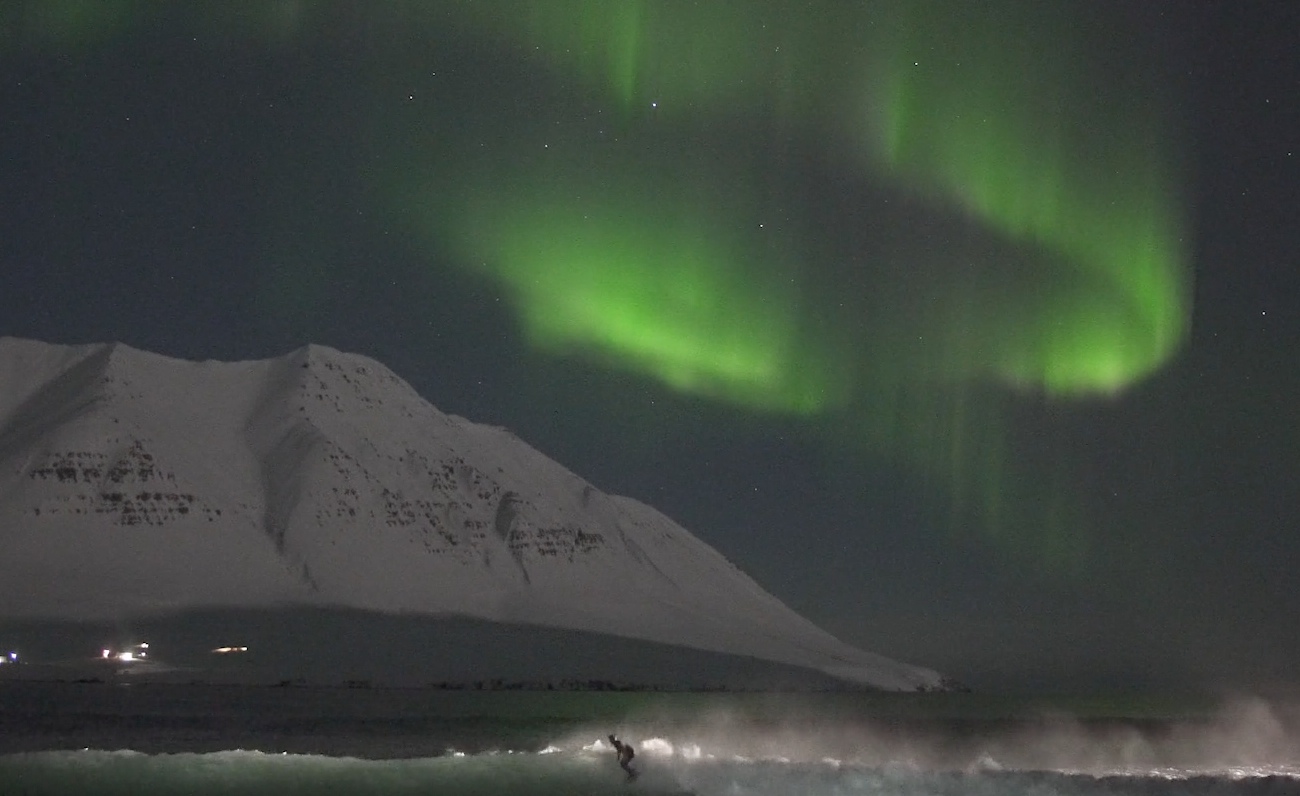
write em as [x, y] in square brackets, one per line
[133, 483]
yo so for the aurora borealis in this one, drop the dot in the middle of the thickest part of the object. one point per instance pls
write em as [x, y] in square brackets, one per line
[923, 284]
[1038, 249]
[1078, 285]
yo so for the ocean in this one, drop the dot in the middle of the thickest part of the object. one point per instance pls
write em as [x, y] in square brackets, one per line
[143, 739]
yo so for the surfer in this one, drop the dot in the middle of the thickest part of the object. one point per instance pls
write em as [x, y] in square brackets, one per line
[625, 755]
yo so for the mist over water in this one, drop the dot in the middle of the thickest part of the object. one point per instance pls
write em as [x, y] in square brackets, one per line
[140, 739]
[1242, 737]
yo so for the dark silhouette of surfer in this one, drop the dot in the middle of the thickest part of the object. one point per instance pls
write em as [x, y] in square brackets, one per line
[625, 755]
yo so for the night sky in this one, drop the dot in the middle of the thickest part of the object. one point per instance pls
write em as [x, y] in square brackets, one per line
[967, 329]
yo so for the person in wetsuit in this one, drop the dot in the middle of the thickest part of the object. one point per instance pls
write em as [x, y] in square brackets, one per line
[625, 755]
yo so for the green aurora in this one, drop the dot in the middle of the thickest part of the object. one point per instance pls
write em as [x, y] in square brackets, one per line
[1003, 219]
[998, 116]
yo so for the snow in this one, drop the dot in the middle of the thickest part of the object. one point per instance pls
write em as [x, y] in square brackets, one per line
[135, 483]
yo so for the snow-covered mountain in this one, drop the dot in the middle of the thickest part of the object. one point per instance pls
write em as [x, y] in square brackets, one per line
[132, 483]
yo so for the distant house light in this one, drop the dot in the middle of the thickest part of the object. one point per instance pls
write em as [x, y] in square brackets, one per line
[135, 652]
[229, 650]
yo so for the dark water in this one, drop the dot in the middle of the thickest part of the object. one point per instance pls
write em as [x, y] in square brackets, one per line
[144, 739]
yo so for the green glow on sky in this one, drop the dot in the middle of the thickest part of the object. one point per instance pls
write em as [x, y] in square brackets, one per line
[993, 110]
[71, 22]
[631, 274]
[683, 60]
[1024, 132]
[1014, 192]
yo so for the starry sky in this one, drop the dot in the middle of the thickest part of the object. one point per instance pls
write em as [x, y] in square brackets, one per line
[967, 329]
